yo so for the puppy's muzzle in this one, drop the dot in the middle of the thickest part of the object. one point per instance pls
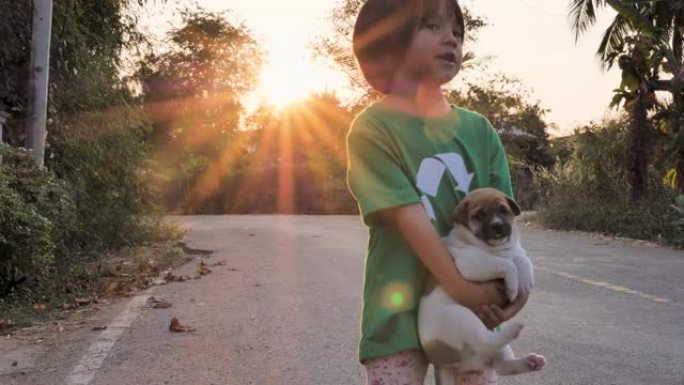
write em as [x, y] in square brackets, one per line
[497, 231]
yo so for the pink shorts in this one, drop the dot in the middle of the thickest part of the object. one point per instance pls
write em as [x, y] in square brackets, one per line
[409, 367]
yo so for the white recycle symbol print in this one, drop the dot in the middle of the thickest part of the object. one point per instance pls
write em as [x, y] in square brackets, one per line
[431, 172]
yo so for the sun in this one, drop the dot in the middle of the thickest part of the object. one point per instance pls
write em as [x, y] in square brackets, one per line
[291, 74]
[282, 84]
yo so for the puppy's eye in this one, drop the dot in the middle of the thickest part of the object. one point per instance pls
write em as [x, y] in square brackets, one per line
[479, 214]
[503, 209]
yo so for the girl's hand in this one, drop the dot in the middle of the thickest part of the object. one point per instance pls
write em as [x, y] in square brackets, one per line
[494, 315]
[475, 295]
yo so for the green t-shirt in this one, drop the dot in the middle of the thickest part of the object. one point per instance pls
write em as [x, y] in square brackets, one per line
[397, 159]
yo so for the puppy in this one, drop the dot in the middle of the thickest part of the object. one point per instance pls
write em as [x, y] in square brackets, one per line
[485, 245]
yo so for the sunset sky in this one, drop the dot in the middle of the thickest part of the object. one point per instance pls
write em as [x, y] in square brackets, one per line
[529, 39]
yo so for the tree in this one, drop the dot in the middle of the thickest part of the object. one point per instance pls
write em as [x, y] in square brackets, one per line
[193, 95]
[193, 91]
[645, 39]
[297, 159]
[520, 124]
[88, 39]
[90, 197]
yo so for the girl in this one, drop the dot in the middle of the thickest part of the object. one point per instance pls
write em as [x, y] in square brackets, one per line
[412, 157]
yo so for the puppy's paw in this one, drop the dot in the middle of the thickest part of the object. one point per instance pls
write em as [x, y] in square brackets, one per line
[512, 330]
[526, 284]
[525, 288]
[535, 361]
[512, 293]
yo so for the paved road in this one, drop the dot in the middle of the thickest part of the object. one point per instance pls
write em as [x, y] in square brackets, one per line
[284, 309]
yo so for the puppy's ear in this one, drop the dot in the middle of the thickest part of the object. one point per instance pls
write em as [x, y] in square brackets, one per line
[514, 206]
[461, 213]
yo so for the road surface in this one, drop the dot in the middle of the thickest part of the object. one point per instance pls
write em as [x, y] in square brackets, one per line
[284, 309]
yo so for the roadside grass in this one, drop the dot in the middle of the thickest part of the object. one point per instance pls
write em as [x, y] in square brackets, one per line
[88, 285]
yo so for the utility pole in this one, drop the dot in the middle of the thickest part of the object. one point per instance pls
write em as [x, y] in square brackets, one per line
[3, 119]
[40, 72]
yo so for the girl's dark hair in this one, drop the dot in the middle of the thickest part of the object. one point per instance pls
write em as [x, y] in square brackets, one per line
[384, 30]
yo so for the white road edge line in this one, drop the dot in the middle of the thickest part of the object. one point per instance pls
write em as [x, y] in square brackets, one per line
[611, 287]
[84, 372]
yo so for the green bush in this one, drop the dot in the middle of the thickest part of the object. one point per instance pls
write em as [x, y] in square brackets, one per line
[101, 155]
[590, 192]
[522, 181]
[36, 212]
[678, 222]
[90, 199]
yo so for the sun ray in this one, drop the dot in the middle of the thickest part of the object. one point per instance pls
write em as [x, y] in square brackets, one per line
[285, 200]
[324, 133]
[263, 163]
[179, 112]
[210, 180]
[309, 122]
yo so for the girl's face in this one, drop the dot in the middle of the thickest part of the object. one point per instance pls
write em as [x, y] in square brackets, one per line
[435, 54]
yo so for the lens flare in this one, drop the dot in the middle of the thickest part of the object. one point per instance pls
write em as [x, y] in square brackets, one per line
[397, 297]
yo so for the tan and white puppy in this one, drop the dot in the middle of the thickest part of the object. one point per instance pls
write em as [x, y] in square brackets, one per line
[485, 245]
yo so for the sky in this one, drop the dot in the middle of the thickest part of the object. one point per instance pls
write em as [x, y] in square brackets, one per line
[532, 40]
[527, 39]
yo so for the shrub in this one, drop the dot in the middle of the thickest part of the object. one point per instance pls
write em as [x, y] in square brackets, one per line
[678, 222]
[590, 192]
[101, 155]
[36, 212]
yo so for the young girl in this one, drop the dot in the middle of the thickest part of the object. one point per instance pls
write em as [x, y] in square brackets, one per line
[412, 157]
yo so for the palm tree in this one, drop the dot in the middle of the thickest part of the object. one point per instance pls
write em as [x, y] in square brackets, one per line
[645, 38]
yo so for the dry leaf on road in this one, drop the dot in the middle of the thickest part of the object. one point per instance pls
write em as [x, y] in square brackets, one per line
[158, 303]
[176, 326]
[169, 277]
[202, 268]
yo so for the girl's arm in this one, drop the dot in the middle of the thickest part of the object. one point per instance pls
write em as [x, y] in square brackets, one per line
[415, 226]
[500, 178]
